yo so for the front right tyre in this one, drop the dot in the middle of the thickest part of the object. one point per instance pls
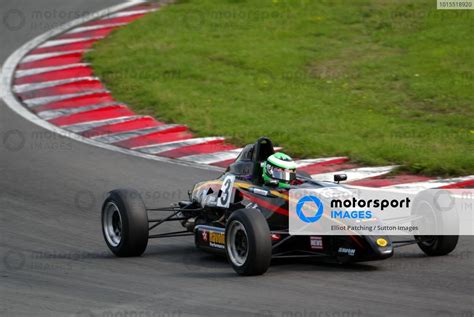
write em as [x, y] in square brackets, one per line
[437, 245]
[428, 206]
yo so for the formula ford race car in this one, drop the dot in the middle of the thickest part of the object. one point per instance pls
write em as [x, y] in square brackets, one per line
[246, 219]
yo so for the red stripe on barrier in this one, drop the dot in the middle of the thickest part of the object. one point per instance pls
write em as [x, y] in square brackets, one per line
[66, 47]
[323, 168]
[127, 19]
[204, 148]
[464, 184]
[67, 59]
[155, 138]
[71, 88]
[91, 115]
[76, 102]
[74, 72]
[140, 123]
[92, 33]
[382, 181]
[318, 167]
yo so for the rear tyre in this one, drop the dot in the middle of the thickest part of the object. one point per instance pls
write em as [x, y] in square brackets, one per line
[125, 223]
[248, 242]
[437, 245]
[436, 212]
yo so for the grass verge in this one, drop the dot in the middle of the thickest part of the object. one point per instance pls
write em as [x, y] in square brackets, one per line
[384, 82]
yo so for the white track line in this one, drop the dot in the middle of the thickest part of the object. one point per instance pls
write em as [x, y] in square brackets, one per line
[436, 183]
[356, 173]
[307, 162]
[85, 126]
[53, 43]
[36, 102]
[47, 84]
[38, 57]
[127, 14]
[168, 146]
[41, 70]
[211, 158]
[95, 27]
[122, 136]
[53, 114]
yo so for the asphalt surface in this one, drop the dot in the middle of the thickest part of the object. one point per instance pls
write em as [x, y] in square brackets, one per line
[53, 260]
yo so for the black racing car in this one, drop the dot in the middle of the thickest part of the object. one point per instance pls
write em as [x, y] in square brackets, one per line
[241, 217]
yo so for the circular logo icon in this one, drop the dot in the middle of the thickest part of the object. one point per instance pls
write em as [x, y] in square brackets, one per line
[13, 140]
[193, 20]
[318, 212]
[381, 242]
[443, 200]
[84, 200]
[14, 260]
[14, 19]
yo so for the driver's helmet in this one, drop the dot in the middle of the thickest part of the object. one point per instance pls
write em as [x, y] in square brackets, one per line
[279, 167]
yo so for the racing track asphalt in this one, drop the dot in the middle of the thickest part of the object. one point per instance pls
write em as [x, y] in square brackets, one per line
[53, 260]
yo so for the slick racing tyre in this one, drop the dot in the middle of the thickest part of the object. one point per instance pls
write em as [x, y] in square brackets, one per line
[437, 245]
[438, 216]
[247, 242]
[125, 223]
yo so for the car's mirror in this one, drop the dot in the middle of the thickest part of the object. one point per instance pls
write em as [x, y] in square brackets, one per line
[340, 178]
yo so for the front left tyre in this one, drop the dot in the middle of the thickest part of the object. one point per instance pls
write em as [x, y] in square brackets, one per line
[125, 223]
[248, 242]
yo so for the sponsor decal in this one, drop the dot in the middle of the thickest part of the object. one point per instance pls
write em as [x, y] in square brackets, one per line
[316, 243]
[217, 239]
[204, 235]
[350, 252]
[381, 242]
[259, 191]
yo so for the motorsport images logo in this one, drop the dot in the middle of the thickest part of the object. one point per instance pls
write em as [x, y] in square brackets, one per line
[312, 204]
[354, 207]
[333, 210]
[309, 199]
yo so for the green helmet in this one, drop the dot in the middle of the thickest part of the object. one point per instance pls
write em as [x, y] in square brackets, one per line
[279, 167]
